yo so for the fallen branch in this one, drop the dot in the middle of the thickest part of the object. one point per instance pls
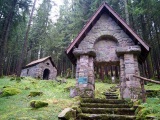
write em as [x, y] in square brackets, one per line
[148, 80]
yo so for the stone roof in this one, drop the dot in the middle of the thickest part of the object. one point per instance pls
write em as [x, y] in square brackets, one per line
[105, 8]
[35, 62]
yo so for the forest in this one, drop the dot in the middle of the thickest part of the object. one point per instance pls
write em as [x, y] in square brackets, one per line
[28, 33]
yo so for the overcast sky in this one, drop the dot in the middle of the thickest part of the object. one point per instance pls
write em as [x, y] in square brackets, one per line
[55, 9]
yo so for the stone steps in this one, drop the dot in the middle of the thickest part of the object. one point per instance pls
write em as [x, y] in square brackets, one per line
[97, 100]
[119, 111]
[102, 105]
[83, 116]
[111, 95]
[110, 108]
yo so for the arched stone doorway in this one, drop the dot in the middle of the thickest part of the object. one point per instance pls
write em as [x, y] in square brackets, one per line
[46, 73]
[106, 58]
[105, 48]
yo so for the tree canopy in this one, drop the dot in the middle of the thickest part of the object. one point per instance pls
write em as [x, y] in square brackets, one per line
[52, 38]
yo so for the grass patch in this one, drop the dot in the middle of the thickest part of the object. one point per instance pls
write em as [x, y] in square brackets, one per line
[151, 86]
[55, 94]
[152, 106]
[101, 87]
[18, 106]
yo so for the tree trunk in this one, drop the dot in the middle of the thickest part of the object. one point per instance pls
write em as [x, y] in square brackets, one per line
[111, 71]
[23, 52]
[116, 71]
[126, 11]
[106, 71]
[4, 36]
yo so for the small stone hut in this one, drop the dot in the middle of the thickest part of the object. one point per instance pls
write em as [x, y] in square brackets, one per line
[43, 68]
[107, 39]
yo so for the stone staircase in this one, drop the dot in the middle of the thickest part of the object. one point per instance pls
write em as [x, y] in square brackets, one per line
[110, 108]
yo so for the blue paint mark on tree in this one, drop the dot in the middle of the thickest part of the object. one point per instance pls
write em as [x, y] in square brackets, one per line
[82, 80]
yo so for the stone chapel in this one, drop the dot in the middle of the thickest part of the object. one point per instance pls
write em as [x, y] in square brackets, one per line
[107, 39]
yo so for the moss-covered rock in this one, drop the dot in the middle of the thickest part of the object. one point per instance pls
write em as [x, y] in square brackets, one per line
[7, 86]
[67, 114]
[38, 104]
[18, 79]
[136, 103]
[152, 117]
[27, 88]
[9, 91]
[33, 94]
[13, 78]
[77, 109]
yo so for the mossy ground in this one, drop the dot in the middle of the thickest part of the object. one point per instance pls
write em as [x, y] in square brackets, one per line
[152, 105]
[18, 106]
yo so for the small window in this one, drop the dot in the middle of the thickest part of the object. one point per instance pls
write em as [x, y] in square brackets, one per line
[47, 63]
[27, 71]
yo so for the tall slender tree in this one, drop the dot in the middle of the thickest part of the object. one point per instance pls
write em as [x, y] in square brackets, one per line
[23, 52]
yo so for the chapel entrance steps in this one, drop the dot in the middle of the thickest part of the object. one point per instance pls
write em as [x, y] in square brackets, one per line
[110, 108]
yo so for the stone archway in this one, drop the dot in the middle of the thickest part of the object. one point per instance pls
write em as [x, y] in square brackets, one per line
[106, 50]
[106, 57]
[46, 73]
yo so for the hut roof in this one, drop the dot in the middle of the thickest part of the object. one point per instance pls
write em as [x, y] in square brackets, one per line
[105, 8]
[35, 62]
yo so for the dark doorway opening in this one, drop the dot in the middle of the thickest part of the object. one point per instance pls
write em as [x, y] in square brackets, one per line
[46, 74]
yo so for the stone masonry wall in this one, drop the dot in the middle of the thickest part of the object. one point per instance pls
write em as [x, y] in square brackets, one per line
[111, 45]
[106, 51]
[105, 26]
[85, 70]
[42, 66]
[31, 71]
[37, 70]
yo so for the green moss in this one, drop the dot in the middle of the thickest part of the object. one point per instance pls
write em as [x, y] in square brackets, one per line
[38, 104]
[136, 103]
[6, 86]
[33, 94]
[18, 79]
[9, 91]
[153, 93]
[152, 117]
[13, 78]
[68, 88]
[142, 114]
[78, 110]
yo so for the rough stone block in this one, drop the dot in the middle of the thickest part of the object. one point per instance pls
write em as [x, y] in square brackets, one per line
[67, 114]
[73, 92]
[128, 49]
[129, 70]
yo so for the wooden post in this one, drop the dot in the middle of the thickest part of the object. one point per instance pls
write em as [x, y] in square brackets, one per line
[143, 91]
[142, 79]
